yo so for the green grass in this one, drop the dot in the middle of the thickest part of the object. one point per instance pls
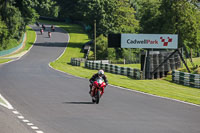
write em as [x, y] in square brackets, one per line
[163, 88]
[30, 38]
[196, 61]
[4, 60]
[193, 70]
[31, 35]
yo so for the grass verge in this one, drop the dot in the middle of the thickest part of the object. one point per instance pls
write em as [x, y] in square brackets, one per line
[160, 87]
[4, 60]
[30, 38]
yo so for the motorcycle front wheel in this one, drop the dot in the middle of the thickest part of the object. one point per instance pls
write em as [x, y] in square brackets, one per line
[97, 97]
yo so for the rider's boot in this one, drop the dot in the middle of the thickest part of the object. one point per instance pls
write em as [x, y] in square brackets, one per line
[92, 92]
[90, 89]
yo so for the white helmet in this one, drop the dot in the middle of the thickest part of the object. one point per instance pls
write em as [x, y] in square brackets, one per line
[100, 72]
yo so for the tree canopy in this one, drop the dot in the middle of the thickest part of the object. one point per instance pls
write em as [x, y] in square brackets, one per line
[16, 14]
[172, 17]
[180, 17]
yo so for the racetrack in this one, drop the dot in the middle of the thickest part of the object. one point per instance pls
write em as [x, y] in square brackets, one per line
[60, 103]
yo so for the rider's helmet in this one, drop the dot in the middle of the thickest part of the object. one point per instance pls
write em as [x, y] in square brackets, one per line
[100, 72]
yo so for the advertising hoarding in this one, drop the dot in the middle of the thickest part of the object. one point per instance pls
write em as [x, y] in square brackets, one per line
[149, 41]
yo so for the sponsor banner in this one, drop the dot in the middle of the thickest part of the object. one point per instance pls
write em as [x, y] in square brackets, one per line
[156, 41]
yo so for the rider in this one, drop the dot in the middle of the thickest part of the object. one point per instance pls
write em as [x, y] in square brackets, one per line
[52, 28]
[95, 76]
[43, 26]
[49, 33]
[41, 30]
[38, 24]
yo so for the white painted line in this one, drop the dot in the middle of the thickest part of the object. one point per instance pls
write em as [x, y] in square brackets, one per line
[20, 117]
[63, 51]
[7, 104]
[66, 44]
[16, 112]
[61, 56]
[156, 96]
[135, 90]
[39, 132]
[34, 127]
[25, 121]
[30, 124]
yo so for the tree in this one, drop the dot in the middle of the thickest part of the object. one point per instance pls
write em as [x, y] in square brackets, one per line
[148, 16]
[69, 9]
[112, 16]
[47, 8]
[182, 18]
[3, 35]
[15, 15]
[27, 9]
[172, 17]
[102, 47]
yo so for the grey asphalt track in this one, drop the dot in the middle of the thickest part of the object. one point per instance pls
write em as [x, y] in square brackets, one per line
[9, 123]
[60, 103]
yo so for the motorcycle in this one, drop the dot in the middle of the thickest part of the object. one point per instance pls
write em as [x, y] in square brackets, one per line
[52, 28]
[41, 31]
[43, 26]
[49, 34]
[97, 90]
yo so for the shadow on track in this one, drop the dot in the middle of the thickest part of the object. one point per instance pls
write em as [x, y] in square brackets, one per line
[77, 102]
[51, 44]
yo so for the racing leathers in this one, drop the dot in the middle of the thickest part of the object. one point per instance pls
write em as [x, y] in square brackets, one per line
[94, 77]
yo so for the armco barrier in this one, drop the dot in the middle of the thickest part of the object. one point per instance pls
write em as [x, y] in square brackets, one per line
[134, 73]
[9, 51]
[187, 79]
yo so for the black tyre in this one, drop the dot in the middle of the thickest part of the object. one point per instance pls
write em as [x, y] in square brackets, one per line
[97, 97]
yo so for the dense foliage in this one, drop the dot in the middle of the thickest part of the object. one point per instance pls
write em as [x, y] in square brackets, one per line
[180, 17]
[16, 14]
[172, 17]
[136, 16]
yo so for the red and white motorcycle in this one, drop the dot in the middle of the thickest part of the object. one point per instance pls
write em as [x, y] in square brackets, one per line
[49, 34]
[41, 31]
[97, 90]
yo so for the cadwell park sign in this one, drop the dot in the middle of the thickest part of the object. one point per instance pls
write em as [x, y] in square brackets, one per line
[149, 41]
[154, 64]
